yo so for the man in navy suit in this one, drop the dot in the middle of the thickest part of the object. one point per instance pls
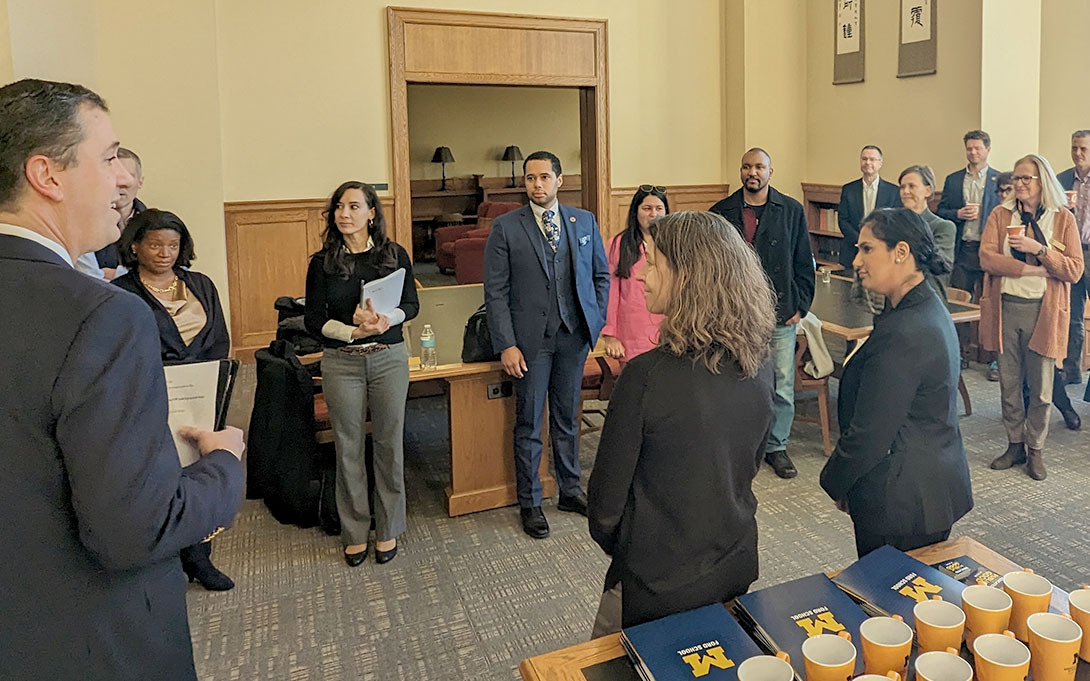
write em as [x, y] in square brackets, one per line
[95, 504]
[859, 198]
[968, 197]
[1077, 180]
[546, 285]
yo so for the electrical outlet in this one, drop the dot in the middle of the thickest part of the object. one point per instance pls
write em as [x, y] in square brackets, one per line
[500, 390]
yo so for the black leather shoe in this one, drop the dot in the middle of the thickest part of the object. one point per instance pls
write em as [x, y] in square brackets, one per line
[356, 559]
[198, 567]
[1071, 377]
[781, 463]
[1071, 419]
[385, 556]
[576, 503]
[534, 523]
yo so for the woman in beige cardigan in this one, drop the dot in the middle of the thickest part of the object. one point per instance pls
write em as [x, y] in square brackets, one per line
[1030, 253]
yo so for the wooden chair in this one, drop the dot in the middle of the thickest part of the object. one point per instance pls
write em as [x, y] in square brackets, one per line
[599, 376]
[804, 381]
[957, 295]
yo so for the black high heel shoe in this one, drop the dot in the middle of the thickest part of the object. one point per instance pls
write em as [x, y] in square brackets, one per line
[198, 567]
[356, 559]
[385, 556]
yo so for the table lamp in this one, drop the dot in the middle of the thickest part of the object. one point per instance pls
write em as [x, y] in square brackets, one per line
[512, 154]
[442, 155]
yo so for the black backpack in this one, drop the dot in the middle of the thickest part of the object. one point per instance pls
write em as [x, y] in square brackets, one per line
[477, 340]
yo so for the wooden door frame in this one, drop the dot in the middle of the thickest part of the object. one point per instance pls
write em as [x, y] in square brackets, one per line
[593, 99]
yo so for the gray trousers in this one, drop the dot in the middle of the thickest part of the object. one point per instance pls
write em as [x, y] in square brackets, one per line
[1018, 364]
[351, 384]
[608, 619]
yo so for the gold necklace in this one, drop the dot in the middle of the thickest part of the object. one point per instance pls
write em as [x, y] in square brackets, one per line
[169, 289]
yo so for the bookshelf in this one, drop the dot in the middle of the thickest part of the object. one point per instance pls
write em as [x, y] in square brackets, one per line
[820, 202]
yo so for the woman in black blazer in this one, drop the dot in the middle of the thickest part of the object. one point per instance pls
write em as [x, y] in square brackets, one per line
[157, 249]
[670, 498]
[899, 468]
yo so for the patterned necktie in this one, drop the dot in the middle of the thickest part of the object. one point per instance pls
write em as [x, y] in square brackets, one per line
[551, 230]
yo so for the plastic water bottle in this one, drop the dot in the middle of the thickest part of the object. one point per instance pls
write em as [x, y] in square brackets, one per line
[428, 357]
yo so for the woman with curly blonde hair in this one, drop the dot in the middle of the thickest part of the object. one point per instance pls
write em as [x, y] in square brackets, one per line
[670, 497]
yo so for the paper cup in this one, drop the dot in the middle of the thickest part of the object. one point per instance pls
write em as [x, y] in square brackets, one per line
[1078, 602]
[766, 668]
[829, 658]
[943, 666]
[987, 611]
[1054, 642]
[939, 625]
[887, 644]
[1000, 657]
[1029, 593]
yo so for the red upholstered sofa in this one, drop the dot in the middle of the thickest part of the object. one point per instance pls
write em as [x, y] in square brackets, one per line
[447, 237]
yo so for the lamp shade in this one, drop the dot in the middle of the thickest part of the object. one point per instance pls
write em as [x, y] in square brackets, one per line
[442, 155]
[512, 153]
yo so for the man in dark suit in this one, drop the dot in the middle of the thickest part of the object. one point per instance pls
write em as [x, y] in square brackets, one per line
[1076, 181]
[95, 502]
[546, 285]
[859, 198]
[775, 225]
[968, 197]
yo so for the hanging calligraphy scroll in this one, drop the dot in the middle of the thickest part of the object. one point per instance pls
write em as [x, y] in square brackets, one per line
[848, 45]
[918, 54]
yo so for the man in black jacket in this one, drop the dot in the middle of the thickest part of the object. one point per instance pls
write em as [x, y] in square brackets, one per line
[1076, 181]
[775, 225]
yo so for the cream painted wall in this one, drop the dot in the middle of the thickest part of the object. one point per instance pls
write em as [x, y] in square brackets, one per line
[304, 91]
[914, 120]
[478, 122]
[1065, 101]
[7, 71]
[1010, 80]
[63, 56]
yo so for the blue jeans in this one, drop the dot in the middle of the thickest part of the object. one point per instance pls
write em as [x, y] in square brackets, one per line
[783, 397]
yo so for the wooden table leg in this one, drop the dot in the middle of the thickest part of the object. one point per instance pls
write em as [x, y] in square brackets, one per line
[482, 460]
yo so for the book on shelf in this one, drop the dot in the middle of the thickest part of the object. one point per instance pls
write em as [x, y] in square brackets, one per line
[782, 617]
[830, 221]
[706, 643]
[887, 581]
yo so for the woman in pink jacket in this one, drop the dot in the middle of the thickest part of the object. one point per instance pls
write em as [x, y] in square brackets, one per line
[630, 329]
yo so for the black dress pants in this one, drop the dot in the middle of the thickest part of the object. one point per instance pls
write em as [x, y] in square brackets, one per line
[865, 542]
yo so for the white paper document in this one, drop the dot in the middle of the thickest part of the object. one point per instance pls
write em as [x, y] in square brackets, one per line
[191, 393]
[385, 293]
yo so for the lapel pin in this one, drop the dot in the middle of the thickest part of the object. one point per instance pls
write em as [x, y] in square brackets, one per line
[571, 219]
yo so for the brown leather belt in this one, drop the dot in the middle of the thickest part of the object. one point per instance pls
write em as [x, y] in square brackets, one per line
[362, 349]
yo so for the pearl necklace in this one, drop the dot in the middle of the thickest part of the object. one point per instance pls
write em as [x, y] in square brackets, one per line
[169, 289]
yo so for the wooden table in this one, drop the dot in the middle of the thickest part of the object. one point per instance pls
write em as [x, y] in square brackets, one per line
[568, 664]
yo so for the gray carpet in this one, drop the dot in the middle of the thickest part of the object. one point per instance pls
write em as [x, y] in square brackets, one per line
[470, 597]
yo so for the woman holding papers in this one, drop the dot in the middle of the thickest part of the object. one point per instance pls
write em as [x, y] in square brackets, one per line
[365, 364]
[899, 468]
[670, 497]
[158, 250]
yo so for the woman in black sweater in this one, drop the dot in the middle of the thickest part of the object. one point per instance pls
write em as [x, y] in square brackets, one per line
[670, 498]
[158, 250]
[899, 467]
[365, 365]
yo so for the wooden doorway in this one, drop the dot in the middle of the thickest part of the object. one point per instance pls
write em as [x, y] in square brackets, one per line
[472, 48]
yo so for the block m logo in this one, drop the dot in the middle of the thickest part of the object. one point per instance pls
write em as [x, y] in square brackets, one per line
[919, 589]
[702, 664]
[820, 624]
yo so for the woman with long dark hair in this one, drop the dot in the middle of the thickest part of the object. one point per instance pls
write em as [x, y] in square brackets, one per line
[899, 467]
[670, 498]
[365, 365]
[630, 328]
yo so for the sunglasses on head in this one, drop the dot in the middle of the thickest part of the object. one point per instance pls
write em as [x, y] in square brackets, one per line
[653, 188]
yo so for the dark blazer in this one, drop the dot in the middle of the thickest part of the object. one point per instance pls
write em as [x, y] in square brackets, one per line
[212, 342]
[1067, 179]
[900, 462]
[850, 213]
[516, 281]
[95, 504]
[783, 244]
[670, 498]
[953, 198]
[107, 256]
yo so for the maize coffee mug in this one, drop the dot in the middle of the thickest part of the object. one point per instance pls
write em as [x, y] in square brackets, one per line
[939, 625]
[1078, 602]
[1054, 646]
[943, 666]
[987, 611]
[1029, 593]
[767, 668]
[1000, 657]
[887, 643]
[889, 676]
[829, 658]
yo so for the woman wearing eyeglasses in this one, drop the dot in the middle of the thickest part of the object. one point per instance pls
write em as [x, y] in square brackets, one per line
[1030, 253]
[630, 328]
